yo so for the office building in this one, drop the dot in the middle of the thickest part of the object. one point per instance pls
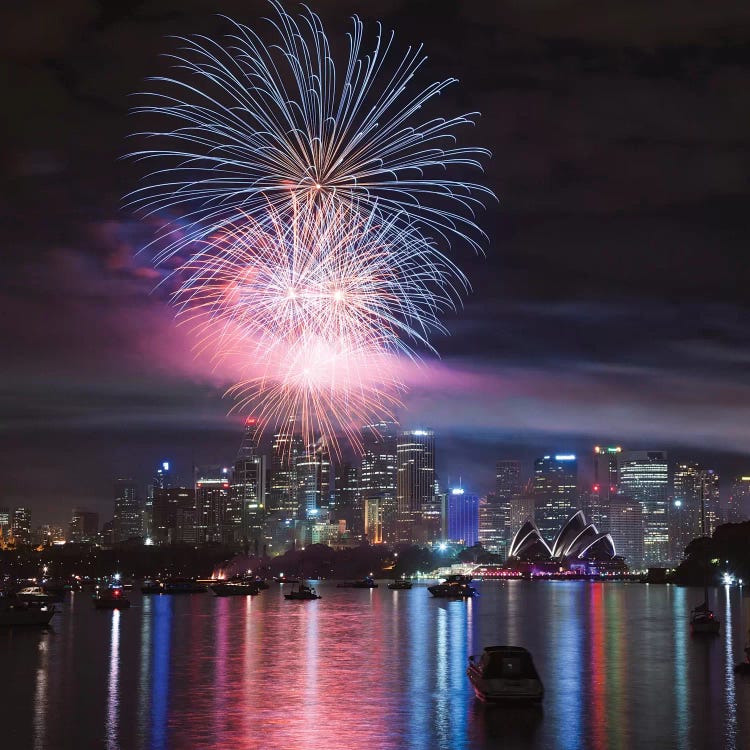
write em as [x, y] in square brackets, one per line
[218, 520]
[314, 481]
[378, 471]
[606, 478]
[84, 526]
[346, 499]
[127, 522]
[168, 525]
[286, 448]
[4, 523]
[691, 482]
[494, 510]
[21, 525]
[644, 476]
[462, 517]
[415, 486]
[522, 509]
[556, 492]
[626, 529]
[249, 486]
[738, 502]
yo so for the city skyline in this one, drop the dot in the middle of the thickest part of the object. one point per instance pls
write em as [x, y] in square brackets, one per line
[548, 352]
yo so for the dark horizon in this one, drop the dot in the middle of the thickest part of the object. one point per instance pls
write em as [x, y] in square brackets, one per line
[611, 302]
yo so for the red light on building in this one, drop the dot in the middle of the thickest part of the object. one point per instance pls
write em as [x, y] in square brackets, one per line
[596, 488]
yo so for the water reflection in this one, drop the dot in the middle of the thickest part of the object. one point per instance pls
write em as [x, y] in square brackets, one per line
[380, 669]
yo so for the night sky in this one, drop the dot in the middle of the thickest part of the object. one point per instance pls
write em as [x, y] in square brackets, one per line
[612, 304]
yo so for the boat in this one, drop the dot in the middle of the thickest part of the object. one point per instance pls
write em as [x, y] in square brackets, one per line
[150, 586]
[453, 587]
[184, 586]
[110, 598]
[35, 594]
[364, 583]
[235, 588]
[400, 585]
[302, 592]
[281, 578]
[16, 612]
[505, 673]
[702, 620]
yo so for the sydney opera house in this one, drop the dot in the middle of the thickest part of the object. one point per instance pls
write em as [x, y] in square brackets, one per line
[578, 547]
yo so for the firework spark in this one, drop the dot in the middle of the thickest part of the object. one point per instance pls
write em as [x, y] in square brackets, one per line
[255, 121]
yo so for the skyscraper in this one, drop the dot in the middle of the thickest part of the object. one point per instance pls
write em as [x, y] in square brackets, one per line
[127, 522]
[248, 488]
[217, 520]
[314, 481]
[415, 485]
[463, 517]
[173, 513]
[738, 502]
[556, 492]
[286, 448]
[606, 477]
[378, 481]
[690, 480]
[84, 526]
[494, 523]
[522, 508]
[347, 504]
[162, 481]
[626, 528]
[21, 525]
[644, 476]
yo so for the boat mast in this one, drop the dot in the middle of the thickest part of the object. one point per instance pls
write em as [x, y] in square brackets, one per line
[703, 534]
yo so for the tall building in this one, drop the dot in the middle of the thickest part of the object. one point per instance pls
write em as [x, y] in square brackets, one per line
[84, 526]
[4, 524]
[162, 481]
[626, 528]
[346, 501]
[522, 509]
[462, 517]
[691, 480]
[314, 481]
[173, 518]
[606, 478]
[644, 476]
[378, 481]
[415, 485]
[286, 448]
[494, 524]
[127, 522]
[738, 502]
[556, 492]
[249, 486]
[21, 525]
[217, 519]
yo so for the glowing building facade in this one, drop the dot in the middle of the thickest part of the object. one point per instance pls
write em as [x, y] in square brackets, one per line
[415, 486]
[462, 517]
[378, 481]
[127, 522]
[555, 490]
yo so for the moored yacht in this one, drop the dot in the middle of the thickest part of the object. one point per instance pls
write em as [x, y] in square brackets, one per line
[505, 673]
[302, 592]
[15, 612]
[235, 588]
[453, 587]
[110, 598]
[400, 584]
[35, 594]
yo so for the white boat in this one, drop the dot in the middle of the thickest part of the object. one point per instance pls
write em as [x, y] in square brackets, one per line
[505, 673]
[35, 594]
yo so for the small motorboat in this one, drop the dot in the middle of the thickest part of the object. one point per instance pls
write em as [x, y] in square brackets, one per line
[184, 586]
[281, 578]
[702, 620]
[453, 587]
[364, 583]
[302, 592]
[235, 588]
[150, 586]
[400, 584]
[505, 673]
[36, 594]
[110, 598]
[16, 612]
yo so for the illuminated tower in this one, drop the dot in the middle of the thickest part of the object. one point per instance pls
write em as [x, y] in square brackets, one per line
[415, 485]
[347, 503]
[556, 492]
[738, 506]
[213, 501]
[644, 477]
[128, 516]
[21, 525]
[248, 491]
[378, 481]
[690, 479]
[494, 521]
[463, 517]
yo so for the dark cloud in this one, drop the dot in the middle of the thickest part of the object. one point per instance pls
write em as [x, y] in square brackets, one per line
[612, 302]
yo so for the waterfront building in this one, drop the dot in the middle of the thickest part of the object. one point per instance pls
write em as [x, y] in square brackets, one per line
[314, 481]
[738, 502]
[248, 487]
[462, 517]
[689, 482]
[127, 522]
[644, 476]
[378, 470]
[555, 483]
[415, 486]
[167, 502]
[84, 526]
[626, 528]
[21, 525]
[346, 500]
